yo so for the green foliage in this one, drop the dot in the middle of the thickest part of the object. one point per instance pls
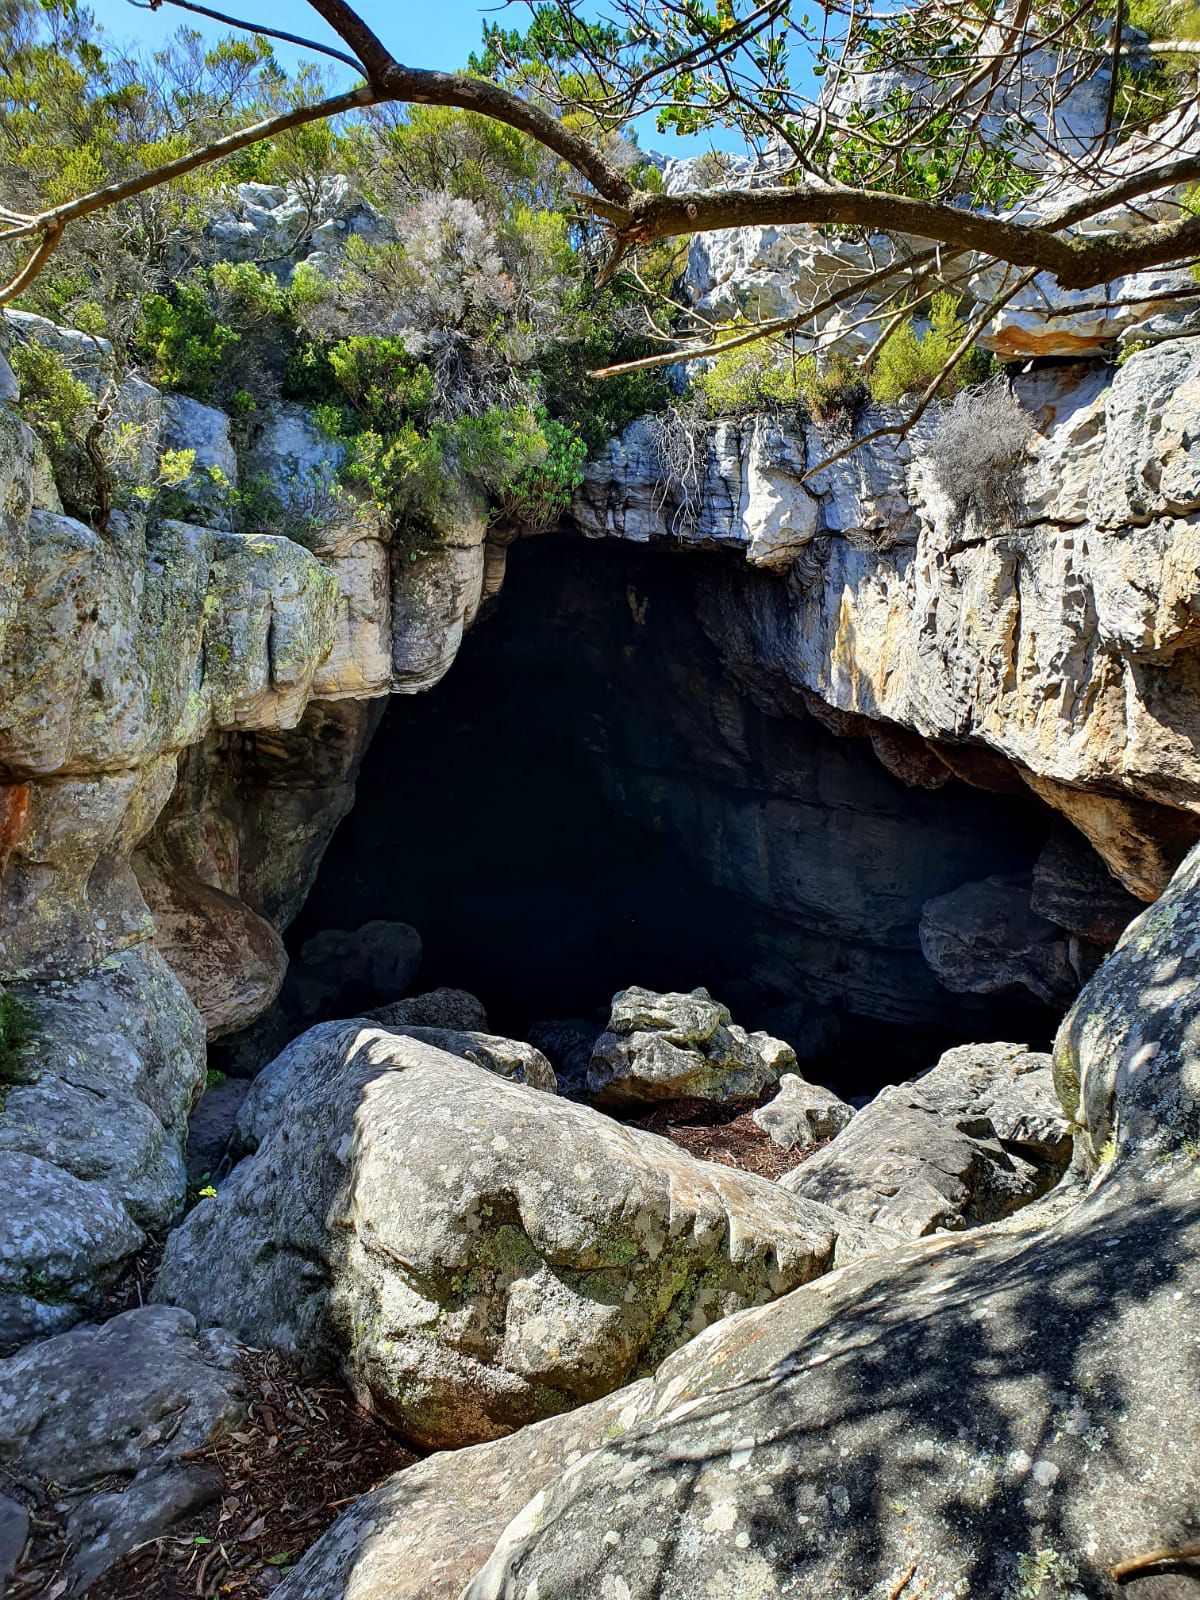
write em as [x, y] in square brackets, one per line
[399, 470]
[910, 361]
[55, 404]
[1164, 19]
[16, 1033]
[834, 392]
[769, 377]
[182, 343]
[754, 377]
[378, 378]
[594, 337]
[529, 462]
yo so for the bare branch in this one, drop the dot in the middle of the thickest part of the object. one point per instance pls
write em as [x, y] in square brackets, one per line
[250, 27]
[39, 258]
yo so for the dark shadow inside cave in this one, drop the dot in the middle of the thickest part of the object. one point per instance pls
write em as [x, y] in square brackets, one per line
[592, 798]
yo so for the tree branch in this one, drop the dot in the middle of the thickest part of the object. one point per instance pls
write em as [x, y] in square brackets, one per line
[39, 258]
[250, 27]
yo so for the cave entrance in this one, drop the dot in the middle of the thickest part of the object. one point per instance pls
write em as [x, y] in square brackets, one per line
[593, 798]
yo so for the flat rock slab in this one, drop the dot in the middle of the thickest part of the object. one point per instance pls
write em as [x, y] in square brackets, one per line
[996, 1416]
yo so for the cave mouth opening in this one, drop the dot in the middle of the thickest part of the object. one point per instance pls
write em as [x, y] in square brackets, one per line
[593, 798]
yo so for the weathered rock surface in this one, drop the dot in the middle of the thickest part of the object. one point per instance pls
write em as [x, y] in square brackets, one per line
[1040, 639]
[567, 1044]
[680, 1046]
[509, 1058]
[91, 1138]
[440, 1008]
[974, 1139]
[120, 1406]
[802, 1114]
[1125, 1059]
[986, 937]
[1005, 1414]
[473, 1254]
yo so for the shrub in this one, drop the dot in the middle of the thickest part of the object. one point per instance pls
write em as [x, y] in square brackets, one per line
[909, 361]
[755, 377]
[379, 379]
[834, 394]
[401, 471]
[16, 1031]
[181, 341]
[976, 450]
[55, 404]
[527, 461]
[537, 496]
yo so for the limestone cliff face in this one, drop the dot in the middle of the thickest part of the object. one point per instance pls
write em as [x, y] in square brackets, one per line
[1065, 640]
[183, 709]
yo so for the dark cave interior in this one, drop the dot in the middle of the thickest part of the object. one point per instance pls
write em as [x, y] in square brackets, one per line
[591, 798]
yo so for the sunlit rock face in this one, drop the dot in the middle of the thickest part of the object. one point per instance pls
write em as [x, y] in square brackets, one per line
[1063, 637]
[1019, 1376]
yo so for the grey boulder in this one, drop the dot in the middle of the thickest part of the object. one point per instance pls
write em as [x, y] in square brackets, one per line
[440, 1008]
[121, 1407]
[509, 1058]
[802, 1114]
[91, 1137]
[680, 1046]
[567, 1044]
[977, 1137]
[474, 1255]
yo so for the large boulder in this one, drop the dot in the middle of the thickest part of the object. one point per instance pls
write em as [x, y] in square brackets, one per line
[511, 1058]
[474, 1255]
[567, 1044]
[680, 1046]
[440, 1008]
[973, 1140]
[1126, 1062]
[104, 1421]
[91, 1134]
[986, 938]
[1005, 1414]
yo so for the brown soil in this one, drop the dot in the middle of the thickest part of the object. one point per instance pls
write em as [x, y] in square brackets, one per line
[304, 1453]
[727, 1134]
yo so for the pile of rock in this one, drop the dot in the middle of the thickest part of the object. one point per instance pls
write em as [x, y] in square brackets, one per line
[678, 1047]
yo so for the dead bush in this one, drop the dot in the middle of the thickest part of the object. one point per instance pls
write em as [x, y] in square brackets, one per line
[974, 454]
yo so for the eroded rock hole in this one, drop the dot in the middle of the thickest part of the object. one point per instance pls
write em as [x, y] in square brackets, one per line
[611, 787]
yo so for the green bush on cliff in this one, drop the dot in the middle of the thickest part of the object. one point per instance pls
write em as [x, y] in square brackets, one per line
[527, 461]
[54, 403]
[910, 361]
[16, 1032]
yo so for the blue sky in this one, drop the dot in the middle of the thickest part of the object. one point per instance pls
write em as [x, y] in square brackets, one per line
[421, 33]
